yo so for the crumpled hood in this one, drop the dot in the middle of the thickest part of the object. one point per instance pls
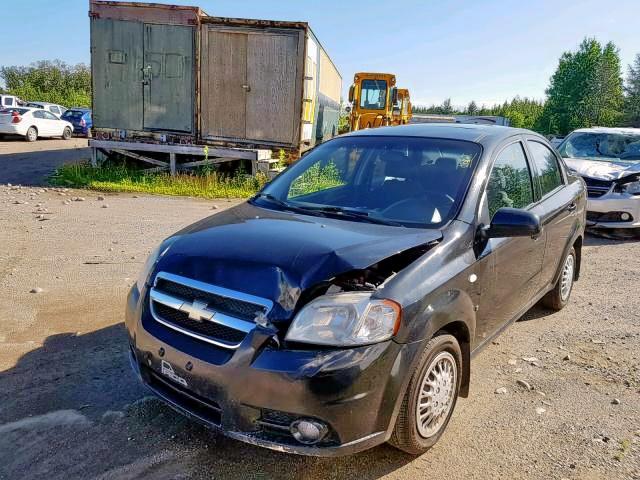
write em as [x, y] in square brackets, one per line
[602, 170]
[277, 255]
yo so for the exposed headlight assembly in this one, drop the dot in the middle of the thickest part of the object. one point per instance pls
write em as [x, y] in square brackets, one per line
[632, 188]
[345, 319]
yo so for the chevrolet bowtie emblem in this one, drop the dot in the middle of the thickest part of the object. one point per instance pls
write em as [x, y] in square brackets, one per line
[197, 310]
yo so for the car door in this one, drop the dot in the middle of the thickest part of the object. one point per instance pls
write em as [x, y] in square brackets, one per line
[517, 262]
[55, 126]
[41, 123]
[559, 208]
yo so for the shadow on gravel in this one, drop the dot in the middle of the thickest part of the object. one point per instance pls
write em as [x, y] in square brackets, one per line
[34, 168]
[611, 237]
[73, 409]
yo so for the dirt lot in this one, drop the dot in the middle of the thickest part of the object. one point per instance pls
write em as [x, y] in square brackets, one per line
[28, 163]
[70, 408]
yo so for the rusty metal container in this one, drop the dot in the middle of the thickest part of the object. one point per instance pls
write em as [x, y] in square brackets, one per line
[173, 74]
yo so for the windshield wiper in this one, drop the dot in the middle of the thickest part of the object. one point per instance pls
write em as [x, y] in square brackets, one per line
[281, 203]
[353, 214]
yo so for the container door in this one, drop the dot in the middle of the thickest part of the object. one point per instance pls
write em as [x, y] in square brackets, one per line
[271, 87]
[168, 78]
[224, 85]
[116, 64]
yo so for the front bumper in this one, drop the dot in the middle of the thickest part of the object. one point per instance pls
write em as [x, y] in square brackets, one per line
[610, 203]
[253, 393]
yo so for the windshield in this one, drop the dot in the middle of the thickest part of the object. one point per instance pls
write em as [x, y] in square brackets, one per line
[373, 94]
[74, 114]
[407, 181]
[602, 146]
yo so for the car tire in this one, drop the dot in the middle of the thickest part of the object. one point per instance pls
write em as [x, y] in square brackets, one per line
[31, 135]
[66, 133]
[441, 366]
[558, 298]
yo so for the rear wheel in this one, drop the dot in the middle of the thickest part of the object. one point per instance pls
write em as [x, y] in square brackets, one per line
[66, 134]
[430, 398]
[558, 298]
[31, 135]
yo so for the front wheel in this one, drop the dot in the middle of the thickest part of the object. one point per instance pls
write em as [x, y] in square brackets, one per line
[430, 398]
[558, 298]
[66, 134]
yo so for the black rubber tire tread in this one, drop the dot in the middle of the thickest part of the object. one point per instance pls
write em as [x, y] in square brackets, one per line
[405, 434]
[553, 299]
[67, 133]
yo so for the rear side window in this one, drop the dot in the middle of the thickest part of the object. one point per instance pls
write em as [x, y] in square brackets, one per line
[510, 181]
[39, 114]
[49, 115]
[75, 114]
[548, 170]
[8, 101]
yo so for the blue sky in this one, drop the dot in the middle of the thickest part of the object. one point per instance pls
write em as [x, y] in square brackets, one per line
[487, 50]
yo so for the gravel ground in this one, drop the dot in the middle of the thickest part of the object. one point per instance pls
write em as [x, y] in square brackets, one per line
[70, 408]
[31, 163]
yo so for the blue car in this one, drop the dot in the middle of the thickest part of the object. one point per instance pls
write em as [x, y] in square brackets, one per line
[81, 120]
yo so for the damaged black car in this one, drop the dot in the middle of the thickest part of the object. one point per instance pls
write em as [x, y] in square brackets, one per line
[340, 307]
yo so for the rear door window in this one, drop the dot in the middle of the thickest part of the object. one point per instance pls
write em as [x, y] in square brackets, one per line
[40, 114]
[547, 167]
[510, 181]
[49, 115]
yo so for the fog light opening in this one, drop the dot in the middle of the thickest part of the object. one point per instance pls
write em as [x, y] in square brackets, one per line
[308, 431]
[625, 216]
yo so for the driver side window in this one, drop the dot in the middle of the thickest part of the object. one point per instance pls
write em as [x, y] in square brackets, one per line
[510, 181]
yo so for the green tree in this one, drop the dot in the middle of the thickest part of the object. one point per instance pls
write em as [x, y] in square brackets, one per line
[632, 90]
[585, 90]
[472, 108]
[50, 81]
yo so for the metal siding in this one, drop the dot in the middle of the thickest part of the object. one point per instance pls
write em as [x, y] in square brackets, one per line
[330, 80]
[168, 91]
[224, 71]
[116, 70]
[271, 76]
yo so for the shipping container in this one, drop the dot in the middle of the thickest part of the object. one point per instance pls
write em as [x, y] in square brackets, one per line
[172, 74]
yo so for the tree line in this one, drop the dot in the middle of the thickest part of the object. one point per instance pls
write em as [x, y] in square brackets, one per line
[49, 81]
[587, 89]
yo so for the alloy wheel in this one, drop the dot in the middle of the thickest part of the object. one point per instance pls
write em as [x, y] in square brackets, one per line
[566, 279]
[437, 394]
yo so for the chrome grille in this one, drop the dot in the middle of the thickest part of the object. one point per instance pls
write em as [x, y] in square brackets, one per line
[203, 311]
[596, 187]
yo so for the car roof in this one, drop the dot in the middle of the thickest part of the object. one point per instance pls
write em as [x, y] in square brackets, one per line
[79, 109]
[44, 104]
[483, 134]
[622, 130]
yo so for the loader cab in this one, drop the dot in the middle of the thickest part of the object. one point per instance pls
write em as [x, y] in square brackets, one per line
[402, 108]
[372, 97]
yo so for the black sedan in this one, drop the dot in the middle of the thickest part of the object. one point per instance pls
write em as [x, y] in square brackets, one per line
[341, 306]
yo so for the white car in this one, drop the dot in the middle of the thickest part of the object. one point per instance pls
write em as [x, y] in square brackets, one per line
[54, 108]
[32, 123]
[608, 159]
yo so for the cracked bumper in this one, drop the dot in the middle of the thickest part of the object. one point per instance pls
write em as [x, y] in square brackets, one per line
[354, 391]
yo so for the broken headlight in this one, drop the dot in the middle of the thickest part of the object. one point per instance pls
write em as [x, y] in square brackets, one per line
[345, 319]
[632, 188]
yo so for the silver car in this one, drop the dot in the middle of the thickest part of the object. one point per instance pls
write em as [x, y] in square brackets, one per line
[608, 159]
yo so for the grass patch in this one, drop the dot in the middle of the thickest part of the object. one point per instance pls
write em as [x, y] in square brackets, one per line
[114, 178]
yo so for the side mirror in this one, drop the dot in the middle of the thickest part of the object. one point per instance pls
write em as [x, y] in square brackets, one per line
[352, 92]
[513, 222]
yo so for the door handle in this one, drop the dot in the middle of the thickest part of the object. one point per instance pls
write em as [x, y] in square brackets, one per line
[572, 207]
[246, 88]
